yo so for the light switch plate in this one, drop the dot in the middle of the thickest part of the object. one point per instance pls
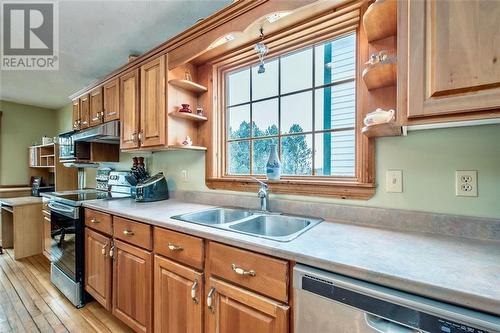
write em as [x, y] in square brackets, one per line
[184, 176]
[466, 183]
[394, 181]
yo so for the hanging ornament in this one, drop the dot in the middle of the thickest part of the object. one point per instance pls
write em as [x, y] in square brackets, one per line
[261, 50]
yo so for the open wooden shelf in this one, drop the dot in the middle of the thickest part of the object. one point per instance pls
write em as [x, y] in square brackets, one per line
[380, 20]
[382, 74]
[385, 129]
[182, 147]
[188, 85]
[186, 115]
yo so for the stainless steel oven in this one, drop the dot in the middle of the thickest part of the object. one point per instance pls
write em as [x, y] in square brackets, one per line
[67, 249]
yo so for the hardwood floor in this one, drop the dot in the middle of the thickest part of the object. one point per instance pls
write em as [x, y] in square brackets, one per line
[30, 303]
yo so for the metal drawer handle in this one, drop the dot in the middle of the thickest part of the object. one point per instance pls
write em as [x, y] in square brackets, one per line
[95, 221]
[103, 250]
[173, 247]
[193, 292]
[210, 304]
[128, 232]
[241, 271]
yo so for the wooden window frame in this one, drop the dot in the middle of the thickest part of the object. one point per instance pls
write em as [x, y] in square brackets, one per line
[361, 185]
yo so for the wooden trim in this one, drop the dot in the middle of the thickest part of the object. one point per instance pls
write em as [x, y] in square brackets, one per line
[346, 190]
[359, 187]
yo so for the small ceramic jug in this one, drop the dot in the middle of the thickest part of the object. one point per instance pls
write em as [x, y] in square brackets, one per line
[273, 167]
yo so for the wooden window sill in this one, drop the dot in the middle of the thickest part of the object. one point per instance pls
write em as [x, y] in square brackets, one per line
[343, 189]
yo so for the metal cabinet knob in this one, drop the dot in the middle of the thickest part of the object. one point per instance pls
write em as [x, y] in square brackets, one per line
[128, 232]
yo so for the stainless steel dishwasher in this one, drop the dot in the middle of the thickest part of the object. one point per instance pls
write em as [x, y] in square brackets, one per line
[330, 303]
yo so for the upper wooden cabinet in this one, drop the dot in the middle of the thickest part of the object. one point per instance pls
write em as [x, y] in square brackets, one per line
[132, 286]
[153, 112]
[129, 108]
[178, 298]
[96, 114]
[111, 91]
[76, 114]
[231, 309]
[453, 57]
[85, 111]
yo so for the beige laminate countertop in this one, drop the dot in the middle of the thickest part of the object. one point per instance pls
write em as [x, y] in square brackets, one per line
[20, 201]
[462, 271]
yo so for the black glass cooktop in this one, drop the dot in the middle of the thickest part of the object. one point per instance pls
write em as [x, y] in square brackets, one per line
[77, 197]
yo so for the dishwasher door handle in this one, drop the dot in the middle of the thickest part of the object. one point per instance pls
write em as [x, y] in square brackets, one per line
[382, 325]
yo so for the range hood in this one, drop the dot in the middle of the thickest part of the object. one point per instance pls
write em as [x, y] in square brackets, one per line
[104, 133]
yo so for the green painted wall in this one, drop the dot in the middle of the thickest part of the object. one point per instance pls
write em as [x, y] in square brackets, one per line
[65, 118]
[428, 160]
[22, 126]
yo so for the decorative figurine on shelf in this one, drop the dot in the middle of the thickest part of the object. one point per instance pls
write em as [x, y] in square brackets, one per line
[185, 108]
[379, 116]
[273, 166]
[187, 141]
[187, 75]
[199, 111]
[376, 58]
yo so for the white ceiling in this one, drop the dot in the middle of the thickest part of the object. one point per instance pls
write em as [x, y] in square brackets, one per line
[96, 37]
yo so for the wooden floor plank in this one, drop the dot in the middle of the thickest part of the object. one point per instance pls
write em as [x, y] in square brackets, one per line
[30, 303]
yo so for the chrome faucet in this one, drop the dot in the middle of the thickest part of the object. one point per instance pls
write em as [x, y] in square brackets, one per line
[263, 195]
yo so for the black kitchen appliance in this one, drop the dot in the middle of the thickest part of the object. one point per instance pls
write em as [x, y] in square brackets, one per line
[67, 249]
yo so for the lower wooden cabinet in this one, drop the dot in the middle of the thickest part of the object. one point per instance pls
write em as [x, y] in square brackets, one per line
[98, 265]
[178, 298]
[231, 309]
[132, 286]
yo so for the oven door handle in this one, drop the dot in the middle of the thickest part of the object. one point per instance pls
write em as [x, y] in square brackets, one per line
[60, 208]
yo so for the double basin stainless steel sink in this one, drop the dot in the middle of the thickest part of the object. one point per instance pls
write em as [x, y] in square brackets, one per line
[283, 228]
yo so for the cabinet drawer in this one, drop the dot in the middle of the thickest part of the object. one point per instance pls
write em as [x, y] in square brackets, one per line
[136, 233]
[263, 274]
[180, 247]
[98, 221]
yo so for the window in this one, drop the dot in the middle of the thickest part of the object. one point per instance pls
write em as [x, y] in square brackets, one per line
[305, 103]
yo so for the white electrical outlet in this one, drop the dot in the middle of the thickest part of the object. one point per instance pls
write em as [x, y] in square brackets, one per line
[184, 175]
[394, 181]
[466, 183]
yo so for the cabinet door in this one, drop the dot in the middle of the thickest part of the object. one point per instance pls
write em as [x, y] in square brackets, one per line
[98, 265]
[96, 114]
[85, 111]
[454, 64]
[76, 114]
[236, 310]
[132, 286]
[175, 308]
[153, 113]
[129, 108]
[112, 100]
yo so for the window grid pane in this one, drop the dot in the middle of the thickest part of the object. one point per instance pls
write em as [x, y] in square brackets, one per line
[325, 143]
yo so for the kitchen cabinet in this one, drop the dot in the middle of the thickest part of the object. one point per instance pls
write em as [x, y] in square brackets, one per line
[96, 107]
[85, 111]
[153, 113]
[111, 92]
[132, 286]
[178, 298]
[98, 267]
[76, 114]
[129, 108]
[231, 309]
[453, 60]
